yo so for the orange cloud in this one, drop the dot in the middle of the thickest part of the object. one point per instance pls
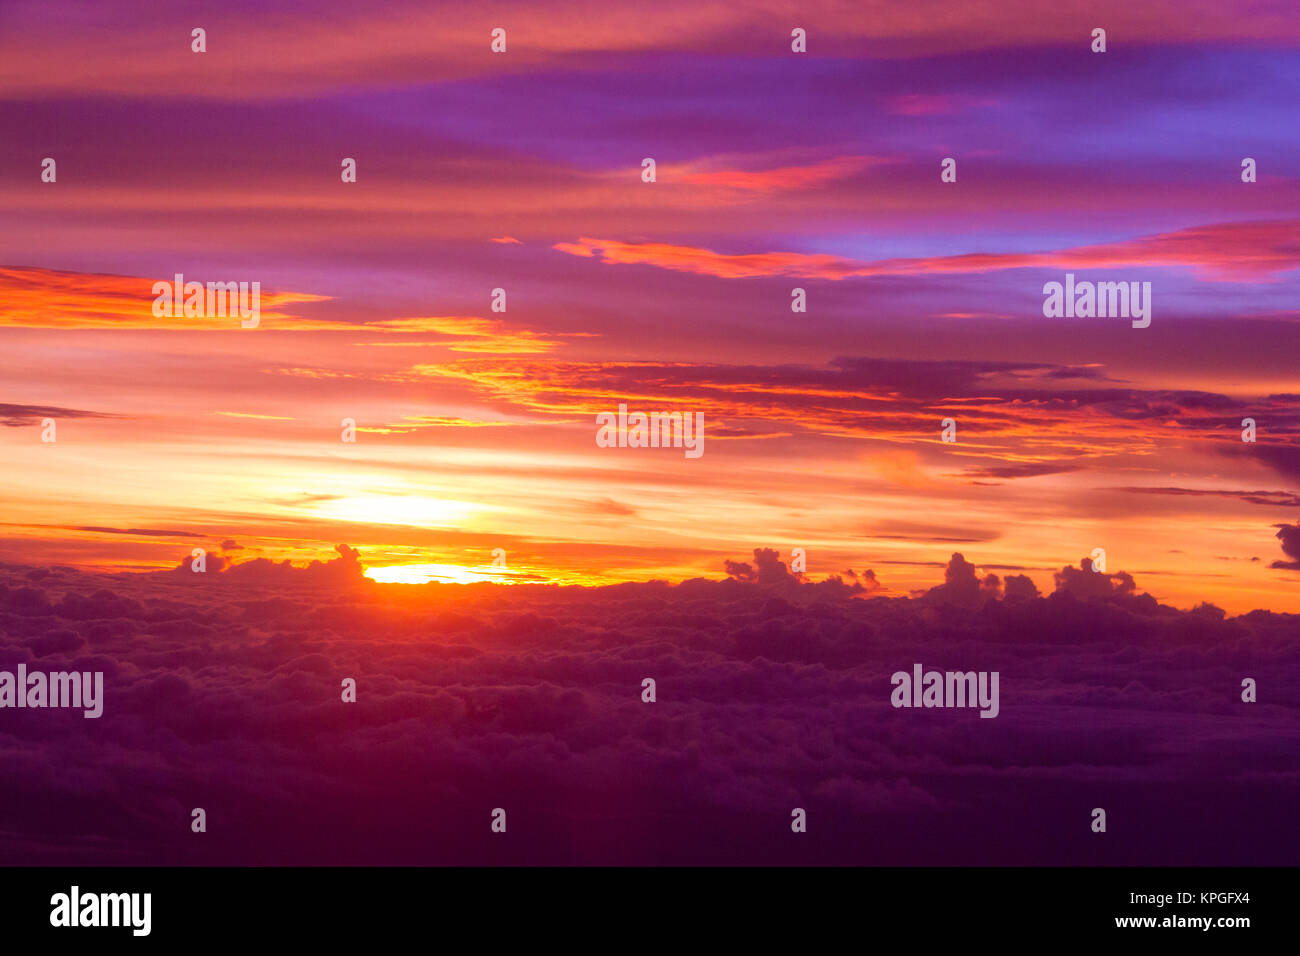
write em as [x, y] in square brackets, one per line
[1242, 251]
[1019, 423]
[708, 262]
[46, 298]
[50, 299]
[472, 334]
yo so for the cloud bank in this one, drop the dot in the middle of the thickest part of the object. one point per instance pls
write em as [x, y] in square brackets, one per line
[222, 691]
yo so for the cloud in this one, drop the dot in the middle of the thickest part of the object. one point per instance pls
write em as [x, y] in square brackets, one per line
[1289, 535]
[1282, 458]
[346, 569]
[1028, 469]
[963, 587]
[468, 334]
[938, 534]
[771, 576]
[1020, 587]
[1084, 582]
[1274, 499]
[1017, 419]
[52, 299]
[223, 690]
[782, 178]
[1234, 251]
[21, 416]
[142, 532]
[300, 56]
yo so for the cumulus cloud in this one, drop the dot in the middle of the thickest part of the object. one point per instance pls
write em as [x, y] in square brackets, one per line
[222, 690]
[1019, 587]
[347, 568]
[1084, 582]
[963, 586]
[769, 573]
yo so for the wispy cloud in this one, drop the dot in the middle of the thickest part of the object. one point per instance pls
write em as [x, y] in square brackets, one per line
[1245, 251]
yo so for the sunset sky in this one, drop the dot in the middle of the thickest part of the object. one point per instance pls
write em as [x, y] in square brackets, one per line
[775, 170]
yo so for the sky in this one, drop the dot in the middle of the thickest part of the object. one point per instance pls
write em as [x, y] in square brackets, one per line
[458, 611]
[774, 170]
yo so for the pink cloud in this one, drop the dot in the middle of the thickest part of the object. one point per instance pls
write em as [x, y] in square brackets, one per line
[1218, 252]
[781, 178]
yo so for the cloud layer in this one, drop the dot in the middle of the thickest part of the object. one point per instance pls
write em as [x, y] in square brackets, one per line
[223, 692]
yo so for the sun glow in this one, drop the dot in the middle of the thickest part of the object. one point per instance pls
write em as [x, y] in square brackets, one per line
[425, 573]
[412, 510]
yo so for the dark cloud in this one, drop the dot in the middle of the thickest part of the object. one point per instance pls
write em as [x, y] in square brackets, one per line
[1084, 582]
[1021, 470]
[771, 575]
[1283, 459]
[1289, 535]
[940, 534]
[1019, 587]
[20, 416]
[223, 691]
[962, 585]
[347, 569]
[767, 571]
[1277, 499]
